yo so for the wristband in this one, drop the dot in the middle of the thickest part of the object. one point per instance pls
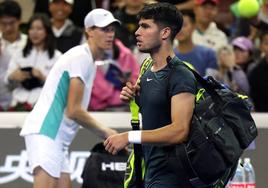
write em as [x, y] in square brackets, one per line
[134, 137]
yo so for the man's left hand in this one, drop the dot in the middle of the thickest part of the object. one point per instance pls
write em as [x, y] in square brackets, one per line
[113, 144]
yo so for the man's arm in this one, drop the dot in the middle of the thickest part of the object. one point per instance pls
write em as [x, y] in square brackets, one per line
[75, 111]
[182, 106]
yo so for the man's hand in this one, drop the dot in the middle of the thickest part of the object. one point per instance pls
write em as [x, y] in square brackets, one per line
[128, 92]
[109, 132]
[115, 143]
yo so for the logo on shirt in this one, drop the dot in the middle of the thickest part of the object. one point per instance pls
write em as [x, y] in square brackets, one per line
[149, 79]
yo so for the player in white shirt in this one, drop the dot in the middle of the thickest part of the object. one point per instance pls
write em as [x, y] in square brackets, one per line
[61, 108]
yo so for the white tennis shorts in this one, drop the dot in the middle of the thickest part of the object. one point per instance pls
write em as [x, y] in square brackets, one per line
[47, 153]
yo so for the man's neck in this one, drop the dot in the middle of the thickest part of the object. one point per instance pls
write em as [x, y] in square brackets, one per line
[95, 51]
[202, 26]
[11, 38]
[58, 23]
[160, 57]
[185, 46]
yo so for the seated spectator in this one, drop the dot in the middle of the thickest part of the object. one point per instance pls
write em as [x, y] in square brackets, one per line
[11, 40]
[243, 49]
[202, 58]
[67, 34]
[229, 73]
[110, 77]
[30, 66]
[258, 78]
[207, 32]
[129, 22]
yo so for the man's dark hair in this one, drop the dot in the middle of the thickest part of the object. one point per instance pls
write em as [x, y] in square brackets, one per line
[10, 8]
[164, 15]
[190, 14]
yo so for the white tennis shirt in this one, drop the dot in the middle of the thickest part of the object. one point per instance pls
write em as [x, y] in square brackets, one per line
[48, 116]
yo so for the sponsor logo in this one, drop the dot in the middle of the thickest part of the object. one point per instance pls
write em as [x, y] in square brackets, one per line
[16, 166]
[113, 166]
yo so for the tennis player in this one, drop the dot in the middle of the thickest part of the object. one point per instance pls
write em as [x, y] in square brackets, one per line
[166, 97]
[53, 123]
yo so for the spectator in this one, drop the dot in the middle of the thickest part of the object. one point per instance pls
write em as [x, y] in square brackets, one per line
[79, 11]
[202, 58]
[180, 4]
[11, 40]
[258, 78]
[263, 16]
[129, 22]
[206, 32]
[109, 81]
[229, 73]
[67, 34]
[30, 66]
[243, 49]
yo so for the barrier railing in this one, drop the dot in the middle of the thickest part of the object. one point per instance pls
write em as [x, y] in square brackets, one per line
[111, 119]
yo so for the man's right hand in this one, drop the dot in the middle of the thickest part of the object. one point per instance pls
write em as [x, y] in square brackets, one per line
[128, 92]
[109, 132]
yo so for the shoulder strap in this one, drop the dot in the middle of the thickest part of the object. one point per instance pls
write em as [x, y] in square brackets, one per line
[134, 108]
[146, 64]
[135, 123]
[208, 84]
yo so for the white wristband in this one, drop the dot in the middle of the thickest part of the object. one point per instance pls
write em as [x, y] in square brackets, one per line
[134, 137]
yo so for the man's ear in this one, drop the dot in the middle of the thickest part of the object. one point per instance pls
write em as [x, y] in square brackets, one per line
[165, 33]
[89, 32]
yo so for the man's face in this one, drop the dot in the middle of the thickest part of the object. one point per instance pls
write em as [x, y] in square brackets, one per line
[206, 13]
[148, 36]
[186, 30]
[9, 25]
[102, 37]
[60, 10]
[134, 3]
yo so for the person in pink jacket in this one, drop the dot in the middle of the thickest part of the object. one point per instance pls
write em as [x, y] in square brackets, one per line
[111, 76]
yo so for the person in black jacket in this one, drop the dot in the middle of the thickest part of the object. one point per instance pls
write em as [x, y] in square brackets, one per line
[129, 22]
[258, 77]
[67, 34]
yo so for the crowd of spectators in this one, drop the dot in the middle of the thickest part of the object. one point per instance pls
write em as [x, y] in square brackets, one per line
[213, 39]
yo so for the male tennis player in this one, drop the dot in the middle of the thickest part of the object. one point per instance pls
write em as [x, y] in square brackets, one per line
[53, 123]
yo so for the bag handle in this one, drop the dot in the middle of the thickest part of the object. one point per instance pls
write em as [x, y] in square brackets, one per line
[209, 85]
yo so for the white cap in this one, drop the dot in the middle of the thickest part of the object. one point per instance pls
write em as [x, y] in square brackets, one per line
[100, 18]
[71, 2]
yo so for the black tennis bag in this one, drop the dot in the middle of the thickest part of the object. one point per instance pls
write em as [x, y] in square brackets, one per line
[221, 128]
[104, 170]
